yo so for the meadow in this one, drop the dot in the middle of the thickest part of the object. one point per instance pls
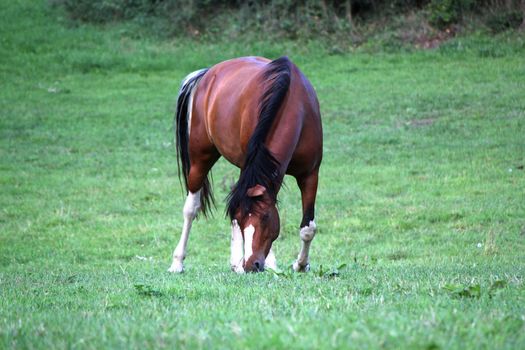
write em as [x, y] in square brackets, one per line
[420, 212]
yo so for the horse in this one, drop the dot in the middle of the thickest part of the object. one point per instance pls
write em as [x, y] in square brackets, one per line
[262, 116]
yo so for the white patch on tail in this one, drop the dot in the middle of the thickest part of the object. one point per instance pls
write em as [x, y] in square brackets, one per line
[190, 76]
[192, 92]
[190, 109]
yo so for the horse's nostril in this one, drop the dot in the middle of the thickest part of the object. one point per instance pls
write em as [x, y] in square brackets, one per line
[257, 265]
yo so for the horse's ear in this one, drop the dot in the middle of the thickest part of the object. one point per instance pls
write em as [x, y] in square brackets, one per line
[256, 191]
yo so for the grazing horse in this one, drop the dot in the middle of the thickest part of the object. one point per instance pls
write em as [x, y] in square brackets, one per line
[262, 116]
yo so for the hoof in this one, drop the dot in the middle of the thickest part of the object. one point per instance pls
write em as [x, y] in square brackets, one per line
[301, 268]
[176, 267]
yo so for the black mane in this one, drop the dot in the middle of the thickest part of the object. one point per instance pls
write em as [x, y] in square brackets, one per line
[260, 166]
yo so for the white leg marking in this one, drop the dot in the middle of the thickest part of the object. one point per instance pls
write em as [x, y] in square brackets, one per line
[307, 234]
[270, 261]
[248, 239]
[237, 253]
[191, 208]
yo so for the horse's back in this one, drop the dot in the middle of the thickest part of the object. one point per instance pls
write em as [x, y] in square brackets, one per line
[227, 105]
[226, 92]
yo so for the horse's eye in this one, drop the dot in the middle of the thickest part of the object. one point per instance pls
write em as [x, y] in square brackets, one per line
[265, 217]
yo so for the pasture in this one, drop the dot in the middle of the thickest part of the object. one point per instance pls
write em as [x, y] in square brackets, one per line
[420, 212]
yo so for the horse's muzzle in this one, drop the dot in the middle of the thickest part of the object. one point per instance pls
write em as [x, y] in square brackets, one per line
[255, 266]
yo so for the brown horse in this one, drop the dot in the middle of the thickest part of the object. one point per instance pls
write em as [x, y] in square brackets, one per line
[262, 116]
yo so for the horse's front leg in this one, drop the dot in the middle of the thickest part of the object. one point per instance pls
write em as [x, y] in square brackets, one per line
[189, 212]
[308, 187]
[237, 249]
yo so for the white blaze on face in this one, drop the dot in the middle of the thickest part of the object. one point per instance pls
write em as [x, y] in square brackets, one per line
[248, 239]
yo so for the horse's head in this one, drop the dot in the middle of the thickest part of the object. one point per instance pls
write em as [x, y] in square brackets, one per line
[260, 227]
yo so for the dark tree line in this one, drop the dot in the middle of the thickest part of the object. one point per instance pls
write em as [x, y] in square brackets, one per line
[291, 18]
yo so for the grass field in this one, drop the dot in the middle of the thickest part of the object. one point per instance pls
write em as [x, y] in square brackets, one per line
[421, 199]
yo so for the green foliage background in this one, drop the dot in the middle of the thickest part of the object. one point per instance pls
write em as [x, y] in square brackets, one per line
[333, 20]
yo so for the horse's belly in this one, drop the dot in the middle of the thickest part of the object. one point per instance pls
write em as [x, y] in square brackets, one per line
[225, 134]
[232, 154]
[230, 126]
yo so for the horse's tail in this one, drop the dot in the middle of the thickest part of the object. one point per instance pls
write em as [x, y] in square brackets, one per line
[182, 132]
[260, 166]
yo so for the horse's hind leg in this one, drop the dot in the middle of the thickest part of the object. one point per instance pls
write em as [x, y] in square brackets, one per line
[308, 187]
[189, 212]
[196, 177]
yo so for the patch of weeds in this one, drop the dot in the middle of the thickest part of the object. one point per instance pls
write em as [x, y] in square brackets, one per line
[398, 255]
[406, 225]
[432, 346]
[146, 290]
[474, 290]
[151, 196]
[80, 290]
[462, 291]
[288, 274]
[436, 217]
[366, 291]
[496, 287]
[331, 273]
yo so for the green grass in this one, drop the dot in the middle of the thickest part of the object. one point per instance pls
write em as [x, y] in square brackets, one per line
[422, 196]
